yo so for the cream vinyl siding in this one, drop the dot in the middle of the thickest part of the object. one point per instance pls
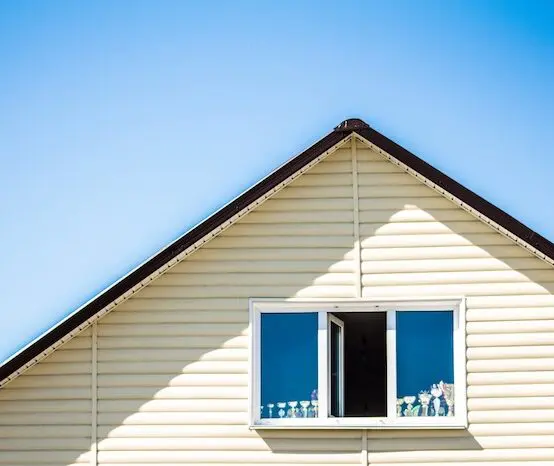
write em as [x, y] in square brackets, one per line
[45, 414]
[172, 362]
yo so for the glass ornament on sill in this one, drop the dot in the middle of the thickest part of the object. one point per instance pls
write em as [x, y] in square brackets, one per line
[305, 405]
[424, 399]
[281, 405]
[270, 407]
[437, 401]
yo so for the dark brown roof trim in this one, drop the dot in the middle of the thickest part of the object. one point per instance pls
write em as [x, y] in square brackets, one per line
[461, 192]
[258, 190]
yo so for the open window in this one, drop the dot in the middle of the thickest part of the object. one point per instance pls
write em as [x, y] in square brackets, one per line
[357, 364]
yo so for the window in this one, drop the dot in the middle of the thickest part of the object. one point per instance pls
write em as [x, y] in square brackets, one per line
[357, 364]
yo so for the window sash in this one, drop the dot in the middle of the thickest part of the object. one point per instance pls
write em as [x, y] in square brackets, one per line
[324, 309]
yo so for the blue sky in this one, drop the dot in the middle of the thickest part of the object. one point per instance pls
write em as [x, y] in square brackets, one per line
[124, 123]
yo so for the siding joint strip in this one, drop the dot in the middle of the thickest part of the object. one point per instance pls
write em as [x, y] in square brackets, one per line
[356, 211]
[94, 397]
[364, 459]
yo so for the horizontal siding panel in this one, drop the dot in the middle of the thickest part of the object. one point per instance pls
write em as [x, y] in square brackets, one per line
[41, 393]
[424, 278]
[174, 406]
[79, 342]
[458, 265]
[49, 444]
[454, 456]
[368, 180]
[172, 393]
[274, 266]
[514, 314]
[458, 289]
[512, 415]
[301, 291]
[439, 252]
[220, 431]
[405, 190]
[473, 463]
[309, 205]
[184, 304]
[291, 229]
[294, 242]
[69, 355]
[258, 279]
[537, 428]
[507, 403]
[225, 457]
[249, 444]
[323, 179]
[49, 381]
[62, 368]
[270, 254]
[177, 342]
[521, 390]
[45, 432]
[395, 204]
[173, 367]
[186, 354]
[209, 329]
[441, 239]
[45, 457]
[513, 326]
[304, 192]
[462, 443]
[510, 352]
[45, 406]
[497, 378]
[422, 228]
[509, 365]
[212, 417]
[327, 167]
[488, 302]
[303, 218]
[45, 419]
[171, 380]
[175, 317]
[414, 215]
[376, 166]
[511, 339]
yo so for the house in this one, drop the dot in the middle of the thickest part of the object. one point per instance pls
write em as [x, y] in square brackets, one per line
[357, 306]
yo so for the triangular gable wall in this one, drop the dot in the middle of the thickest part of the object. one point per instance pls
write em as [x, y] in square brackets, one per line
[163, 378]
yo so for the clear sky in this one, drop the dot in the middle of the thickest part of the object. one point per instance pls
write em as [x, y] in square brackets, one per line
[124, 123]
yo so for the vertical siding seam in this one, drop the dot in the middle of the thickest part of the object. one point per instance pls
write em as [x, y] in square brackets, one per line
[356, 212]
[364, 458]
[94, 396]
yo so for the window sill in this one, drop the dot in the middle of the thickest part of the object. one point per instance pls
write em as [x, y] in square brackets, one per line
[361, 423]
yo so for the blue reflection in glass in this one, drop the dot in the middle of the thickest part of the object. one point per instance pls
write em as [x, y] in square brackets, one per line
[424, 350]
[288, 359]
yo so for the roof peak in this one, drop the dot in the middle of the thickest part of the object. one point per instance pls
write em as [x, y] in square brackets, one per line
[352, 124]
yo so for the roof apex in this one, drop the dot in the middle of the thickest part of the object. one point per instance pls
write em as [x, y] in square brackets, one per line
[352, 124]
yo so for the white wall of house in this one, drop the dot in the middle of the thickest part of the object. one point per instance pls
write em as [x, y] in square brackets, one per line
[168, 381]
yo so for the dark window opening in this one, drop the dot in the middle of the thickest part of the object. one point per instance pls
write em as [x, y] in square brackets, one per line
[365, 364]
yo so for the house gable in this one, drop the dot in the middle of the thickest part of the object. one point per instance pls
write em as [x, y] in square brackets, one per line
[167, 370]
[199, 235]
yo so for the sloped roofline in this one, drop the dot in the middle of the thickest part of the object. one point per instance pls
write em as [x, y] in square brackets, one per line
[536, 242]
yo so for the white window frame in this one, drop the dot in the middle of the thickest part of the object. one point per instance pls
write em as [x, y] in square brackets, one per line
[324, 308]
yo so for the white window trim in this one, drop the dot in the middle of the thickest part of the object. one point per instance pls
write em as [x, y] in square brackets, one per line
[257, 306]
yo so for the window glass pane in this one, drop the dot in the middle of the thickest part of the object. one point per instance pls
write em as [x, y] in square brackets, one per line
[288, 365]
[336, 365]
[425, 363]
